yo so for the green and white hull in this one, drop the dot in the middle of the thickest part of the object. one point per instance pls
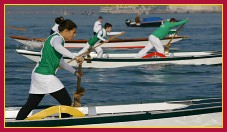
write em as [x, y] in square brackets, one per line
[187, 113]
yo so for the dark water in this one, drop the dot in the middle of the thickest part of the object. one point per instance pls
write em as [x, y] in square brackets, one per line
[129, 84]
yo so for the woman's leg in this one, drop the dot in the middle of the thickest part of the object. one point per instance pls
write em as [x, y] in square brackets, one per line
[158, 45]
[63, 98]
[32, 102]
[144, 51]
[99, 51]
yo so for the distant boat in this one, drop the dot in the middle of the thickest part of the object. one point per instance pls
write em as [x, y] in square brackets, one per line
[146, 22]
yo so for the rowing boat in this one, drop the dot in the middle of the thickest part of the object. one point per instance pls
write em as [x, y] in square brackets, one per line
[206, 112]
[118, 43]
[126, 60]
[146, 22]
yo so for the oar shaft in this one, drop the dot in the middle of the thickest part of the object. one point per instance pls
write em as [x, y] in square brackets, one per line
[78, 77]
[16, 28]
[169, 43]
[79, 91]
[176, 33]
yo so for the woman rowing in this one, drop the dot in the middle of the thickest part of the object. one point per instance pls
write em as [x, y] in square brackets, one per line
[157, 35]
[43, 79]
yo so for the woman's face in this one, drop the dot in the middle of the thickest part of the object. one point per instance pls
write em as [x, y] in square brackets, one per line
[108, 29]
[70, 34]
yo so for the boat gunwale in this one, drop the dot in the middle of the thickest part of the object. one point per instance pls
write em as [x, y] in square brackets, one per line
[85, 41]
[112, 118]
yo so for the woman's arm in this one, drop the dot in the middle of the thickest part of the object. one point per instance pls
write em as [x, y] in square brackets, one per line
[174, 24]
[113, 33]
[56, 43]
[66, 66]
[100, 36]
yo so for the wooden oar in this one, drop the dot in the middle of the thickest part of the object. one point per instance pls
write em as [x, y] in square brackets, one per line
[111, 38]
[169, 43]
[79, 91]
[16, 28]
[89, 50]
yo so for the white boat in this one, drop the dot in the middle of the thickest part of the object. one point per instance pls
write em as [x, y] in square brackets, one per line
[118, 43]
[125, 60]
[205, 112]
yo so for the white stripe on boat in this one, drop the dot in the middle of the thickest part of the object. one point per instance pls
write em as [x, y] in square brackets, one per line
[125, 60]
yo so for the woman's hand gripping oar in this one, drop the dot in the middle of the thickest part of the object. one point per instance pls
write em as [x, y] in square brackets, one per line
[79, 91]
[89, 50]
[169, 43]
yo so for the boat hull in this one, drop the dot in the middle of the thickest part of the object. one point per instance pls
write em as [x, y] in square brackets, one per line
[193, 113]
[124, 43]
[126, 60]
[153, 24]
[186, 121]
[146, 22]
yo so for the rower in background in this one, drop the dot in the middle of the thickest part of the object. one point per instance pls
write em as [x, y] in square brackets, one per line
[58, 20]
[157, 35]
[137, 20]
[97, 25]
[96, 39]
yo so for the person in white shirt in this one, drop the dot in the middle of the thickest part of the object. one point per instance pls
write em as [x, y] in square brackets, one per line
[97, 25]
[54, 29]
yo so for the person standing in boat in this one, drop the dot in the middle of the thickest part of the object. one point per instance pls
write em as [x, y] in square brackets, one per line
[58, 20]
[43, 79]
[97, 25]
[96, 39]
[137, 20]
[157, 35]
